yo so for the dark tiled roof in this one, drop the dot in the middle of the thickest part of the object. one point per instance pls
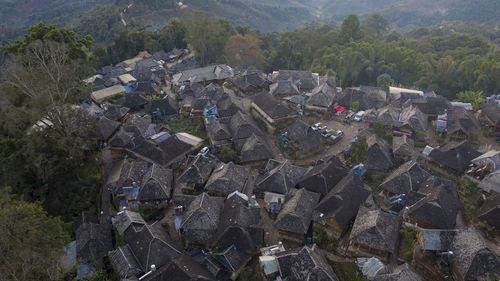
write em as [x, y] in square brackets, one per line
[157, 184]
[132, 172]
[242, 126]
[150, 244]
[307, 80]
[166, 106]
[323, 95]
[303, 136]
[437, 239]
[378, 156]
[230, 178]
[124, 262]
[408, 177]
[271, 106]
[343, 201]
[403, 272]
[93, 241]
[107, 127]
[213, 72]
[492, 111]
[324, 176]
[297, 212]
[455, 156]
[471, 256]
[255, 148]
[201, 219]
[124, 219]
[198, 170]
[132, 101]
[284, 87]
[460, 119]
[376, 229]
[182, 268]
[402, 145]
[366, 100]
[490, 210]
[232, 258]
[306, 263]
[115, 112]
[254, 79]
[218, 131]
[279, 178]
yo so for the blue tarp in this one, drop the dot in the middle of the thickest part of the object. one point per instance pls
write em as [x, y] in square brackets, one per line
[128, 89]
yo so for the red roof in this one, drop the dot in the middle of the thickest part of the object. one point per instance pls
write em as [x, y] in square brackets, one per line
[339, 108]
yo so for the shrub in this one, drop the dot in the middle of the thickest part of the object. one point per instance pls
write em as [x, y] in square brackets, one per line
[407, 243]
[226, 154]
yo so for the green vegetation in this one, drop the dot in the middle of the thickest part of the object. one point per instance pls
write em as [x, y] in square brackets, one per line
[347, 271]
[31, 243]
[355, 105]
[384, 131]
[193, 126]
[358, 150]
[321, 238]
[408, 237]
[152, 213]
[476, 98]
[468, 187]
[226, 154]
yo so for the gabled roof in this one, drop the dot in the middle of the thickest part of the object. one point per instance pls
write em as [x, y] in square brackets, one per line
[93, 241]
[439, 206]
[408, 177]
[150, 244]
[218, 131]
[343, 201]
[228, 178]
[490, 210]
[378, 156]
[131, 172]
[376, 229]
[124, 262]
[124, 219]
[115, 112]
[403, 272]
[166, 106]
[157, 184]
[437, 239]
[107, 127]
[237, 224]
[366, 100]
[305, 264]
[271, 106]
[184, 65]
[323, 95]
[297, 212]
[491, 182]
[456, 156]
[182, 268]
[132, 101]
[492, 111]
[242, 126]
[307, 79]
[255, 148]
[283, 87]
[402, 145]
[226, 107]
[253, 79]
[460, 119]
[323, 176]
[198, 170]
[279, 178]
[231, 257]
[202, 215]
[303, 136]
[472, 258]
[137, 125]
[196, 75]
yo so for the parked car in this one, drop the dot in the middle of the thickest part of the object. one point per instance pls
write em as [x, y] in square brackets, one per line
[323, 128]
[325, 133]
[204, 151]
[337, 136]
[358, 116]
[316, 126]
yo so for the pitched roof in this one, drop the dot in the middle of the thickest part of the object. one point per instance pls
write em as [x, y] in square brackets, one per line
[403, 145]
[376, 229]
[218, 131]
[253, 79]
[255, 148]
[437, 239]
[242, 126]
[182, 268]
[323, 176]
[212, 72]
[343, 201]
[323, 95]
[115, 112]
[378, 156]
[157, 184]
[491, 182]
[460, 119]
[271, 106]
[93, 241]
[472, 257]
[490, 210]
[166, 106]
[228, 178]
[408, 177]
[202, 215]
[307, 79]
[132, 101]
[107, 127]
[231, 257]
[306, 264]
[403, 272]
[131, 172]
[124, 219]
[303, 136]
[198, 170]
[439, 207]
[283, 87]
[297, 212]
[150, 244]
[366, 100]
[492, 110]
[279, 178]
[124, 262]
[455, 156]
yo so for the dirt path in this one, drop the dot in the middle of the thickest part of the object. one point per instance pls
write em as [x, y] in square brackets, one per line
[174, 234]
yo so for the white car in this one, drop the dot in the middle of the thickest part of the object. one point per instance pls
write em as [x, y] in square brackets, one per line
[204, 151]
[316, 126]
[337, 136]
[358, 116]
[323, 128]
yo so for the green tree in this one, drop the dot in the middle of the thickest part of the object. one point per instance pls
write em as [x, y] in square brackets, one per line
[244, 50]
[476, 98]
[358, 150]
[350, 30]
[355, 105]
[31, 242]
[42, 32]
[375, 25]
[226, 154]
[173, 35]
[384, 81]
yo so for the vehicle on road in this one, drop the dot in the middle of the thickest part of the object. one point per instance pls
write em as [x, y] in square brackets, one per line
[359, 116]
[337, 136]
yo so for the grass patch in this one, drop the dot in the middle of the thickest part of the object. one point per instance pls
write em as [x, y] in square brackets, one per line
[321, 238]
[151, 213]
[193, 126]
[407, 243]
[347, 271]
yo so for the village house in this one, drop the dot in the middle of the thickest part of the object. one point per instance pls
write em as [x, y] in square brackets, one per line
[201, 219]
[197, 172]
[93, 240]
[436, 240]
[107, 128]
[204, 75]
[124, 262]
[366, 100]
[251, 81]
[403, 272]
[125, 219]
[277, 177]
[302, 140]
[284, 88]
[403, 148]
[294, 220]
[165, 108]
[490, 210]
[340, 206]
[397, 93]
[227, 178]
[408, 177]
[305, 81]
[181, 268]
[472, 259]
[378, 155]
[255, 151]
[435, 205]
[491, 114]
[322, 97]
[116, 112]
[461, 124]
[134, 101]
[269, 110]
[374, 232]
[242, 127]
[218, 133]
[323, 176]
[454, 158]
[157, 185]
[102, 95]
[306, 263]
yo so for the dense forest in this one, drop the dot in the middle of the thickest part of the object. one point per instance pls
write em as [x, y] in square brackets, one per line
[56, 170]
